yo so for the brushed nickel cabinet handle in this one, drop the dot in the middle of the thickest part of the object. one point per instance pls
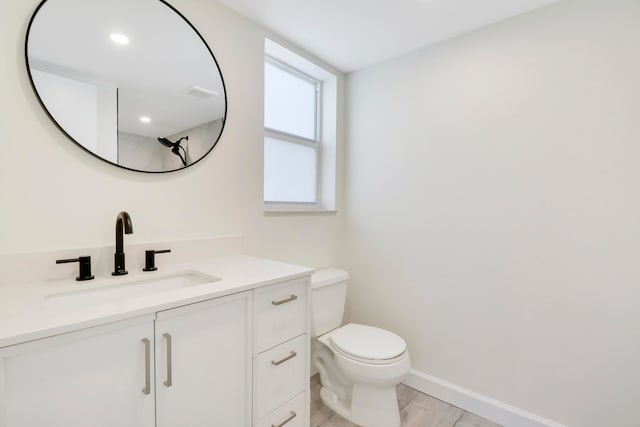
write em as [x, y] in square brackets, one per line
[284, 301]
[291, 416]
[169, 381]
[281, 361]
[147, 366]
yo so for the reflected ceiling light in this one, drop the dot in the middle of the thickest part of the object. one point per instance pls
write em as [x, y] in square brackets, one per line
[119, 38]
[145, 119]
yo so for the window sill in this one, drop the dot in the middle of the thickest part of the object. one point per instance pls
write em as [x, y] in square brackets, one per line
[287, 210]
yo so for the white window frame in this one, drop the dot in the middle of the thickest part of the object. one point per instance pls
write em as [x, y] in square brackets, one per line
[327, 105]
[315, 143]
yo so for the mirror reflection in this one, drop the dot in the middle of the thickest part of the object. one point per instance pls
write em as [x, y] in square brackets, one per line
[131, 81]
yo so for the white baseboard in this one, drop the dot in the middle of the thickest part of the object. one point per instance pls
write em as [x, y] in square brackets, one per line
[476, 403]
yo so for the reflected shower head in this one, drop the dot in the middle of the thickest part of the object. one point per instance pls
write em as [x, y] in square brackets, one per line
[165, 142]
[175, 147]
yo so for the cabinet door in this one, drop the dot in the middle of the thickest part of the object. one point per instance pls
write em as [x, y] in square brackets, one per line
[94, 377]
[203, 356]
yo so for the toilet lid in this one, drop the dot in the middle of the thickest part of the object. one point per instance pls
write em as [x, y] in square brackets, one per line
[367, 342]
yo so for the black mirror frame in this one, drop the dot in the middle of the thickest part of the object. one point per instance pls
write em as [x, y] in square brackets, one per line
[46, 110]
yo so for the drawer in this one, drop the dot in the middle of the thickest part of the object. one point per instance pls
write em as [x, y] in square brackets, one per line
[280, 313]
[291, 414]
[279, 375]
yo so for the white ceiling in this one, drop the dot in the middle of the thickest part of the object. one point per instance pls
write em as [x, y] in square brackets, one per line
[353, 34]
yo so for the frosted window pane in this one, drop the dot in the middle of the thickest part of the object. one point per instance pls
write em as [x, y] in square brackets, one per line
[289, 172]
[289, 102]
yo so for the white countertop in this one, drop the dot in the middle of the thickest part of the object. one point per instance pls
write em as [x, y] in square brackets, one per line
[27, 312]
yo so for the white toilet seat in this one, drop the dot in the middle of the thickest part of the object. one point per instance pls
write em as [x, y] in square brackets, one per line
[370, 361]
[367, 344]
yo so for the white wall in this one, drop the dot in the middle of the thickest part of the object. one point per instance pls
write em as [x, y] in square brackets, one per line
[76, 106]
[54, 195]
[493, 212]
[107, 122]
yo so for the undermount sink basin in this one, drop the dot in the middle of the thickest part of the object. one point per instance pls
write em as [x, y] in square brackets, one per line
[118, 289]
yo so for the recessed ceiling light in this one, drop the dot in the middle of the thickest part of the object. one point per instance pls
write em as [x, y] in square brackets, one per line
[145, 119]
[119, 38]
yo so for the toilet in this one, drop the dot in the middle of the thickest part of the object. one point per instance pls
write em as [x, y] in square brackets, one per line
[359, 365]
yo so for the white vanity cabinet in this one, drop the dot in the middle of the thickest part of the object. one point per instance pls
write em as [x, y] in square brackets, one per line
[281, 355]
[199, 374]
[92, 377]
[240, 359]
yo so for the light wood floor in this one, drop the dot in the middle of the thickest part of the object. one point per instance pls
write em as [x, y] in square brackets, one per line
[416, 410]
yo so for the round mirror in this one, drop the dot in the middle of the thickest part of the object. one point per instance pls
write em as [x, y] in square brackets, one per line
[130, 81]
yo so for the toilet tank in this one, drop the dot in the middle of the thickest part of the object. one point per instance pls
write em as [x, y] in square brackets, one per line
[328, 297]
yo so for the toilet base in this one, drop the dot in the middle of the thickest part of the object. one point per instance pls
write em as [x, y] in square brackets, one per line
[370, 406]
[375, 407]
[331, 400]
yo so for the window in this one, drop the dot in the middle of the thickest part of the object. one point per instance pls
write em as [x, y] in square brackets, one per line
[291, 142]
[299, 132]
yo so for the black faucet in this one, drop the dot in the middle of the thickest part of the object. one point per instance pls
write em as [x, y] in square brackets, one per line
[123, 226]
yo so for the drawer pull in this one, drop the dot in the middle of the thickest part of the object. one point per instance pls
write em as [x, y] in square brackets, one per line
[147, 366]
[292, 416]
[284, 301]
[281, 361]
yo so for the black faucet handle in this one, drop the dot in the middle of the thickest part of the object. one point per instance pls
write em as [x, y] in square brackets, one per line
[150, 259]
[84, 267]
